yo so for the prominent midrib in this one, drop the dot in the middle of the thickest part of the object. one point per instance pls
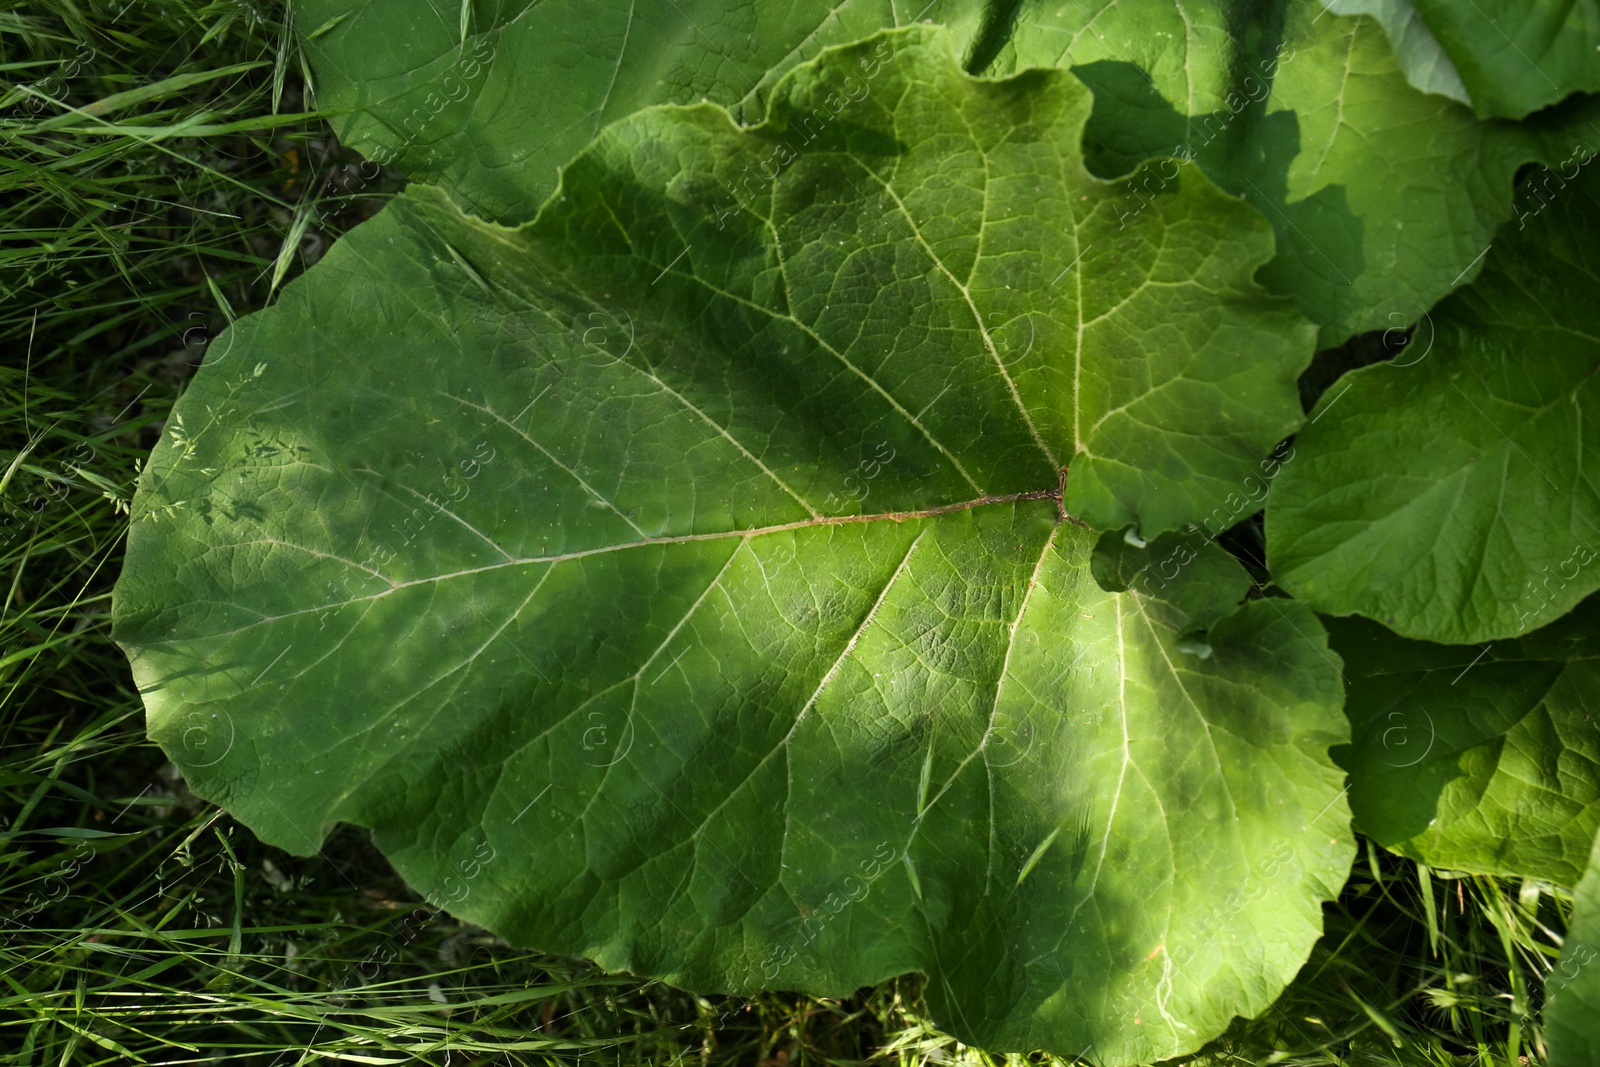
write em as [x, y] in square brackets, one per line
[721, 535]
[760, 531]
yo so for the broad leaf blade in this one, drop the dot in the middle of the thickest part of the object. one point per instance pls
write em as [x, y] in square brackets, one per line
[1448, 495]
[1477, 758]
[1516, 56]
[645, 589]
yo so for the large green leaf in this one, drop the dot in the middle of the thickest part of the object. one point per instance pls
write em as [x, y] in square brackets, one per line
[1572, 990]
[1449, 495]
[1383, 196]
[1516, 56]
[1483, 759]
[688, 587]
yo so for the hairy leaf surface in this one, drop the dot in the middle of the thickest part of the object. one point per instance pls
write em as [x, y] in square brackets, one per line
[1477, 758]
[1450, 495]
[682, 580]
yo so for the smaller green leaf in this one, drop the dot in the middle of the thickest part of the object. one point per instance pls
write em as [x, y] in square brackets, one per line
[1383, 197]
[1476, 758]
[1516, 56]
[1572, 990]
[1450, 494]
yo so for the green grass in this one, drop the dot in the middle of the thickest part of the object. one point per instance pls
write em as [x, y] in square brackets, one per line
[163, 172]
